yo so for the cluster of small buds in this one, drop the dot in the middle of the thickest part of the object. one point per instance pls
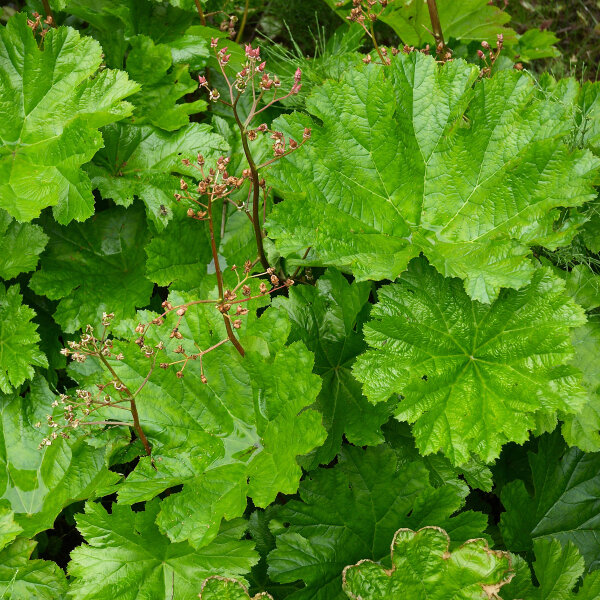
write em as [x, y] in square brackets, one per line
[89, 345]
[37, 23]
[228, 25]
[444, 53]
[216, 183]
[365, 9]
[492, 55]
[76, 409]
[250, 69]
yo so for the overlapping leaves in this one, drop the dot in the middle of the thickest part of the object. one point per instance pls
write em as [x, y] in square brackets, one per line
[563, 503]
[144, 162]
[350, 512]
[53, 102]
[38, 484]
[419, 157]
[236, 436]
[471, 376]
[127, 556]
[328, 318]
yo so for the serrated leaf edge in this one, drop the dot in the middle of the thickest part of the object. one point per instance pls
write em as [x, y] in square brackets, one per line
[258, 596]
[490, 590]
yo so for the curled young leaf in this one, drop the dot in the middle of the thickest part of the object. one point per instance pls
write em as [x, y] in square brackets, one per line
[221, 588]
[423, 566]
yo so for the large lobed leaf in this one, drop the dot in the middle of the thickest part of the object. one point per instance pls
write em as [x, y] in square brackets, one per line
[127, 557]
[53, 101]
[420, 157]
[424, 567]
[351, 511]
[557, 572]
[236, 436]
[471, 376]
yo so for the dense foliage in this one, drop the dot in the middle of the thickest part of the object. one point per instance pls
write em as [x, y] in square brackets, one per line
[314, 319]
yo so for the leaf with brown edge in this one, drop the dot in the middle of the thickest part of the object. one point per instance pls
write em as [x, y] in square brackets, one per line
[423, 566]
[222, 588]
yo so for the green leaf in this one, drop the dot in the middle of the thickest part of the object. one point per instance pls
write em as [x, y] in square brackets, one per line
[535, 44]
[145, 162]
[557, 571]
[583, 429]
[94, 267]
[236, 436]
[423, 158]
[423, 566]
[351, 511]
[52, 111]
[22, 578]
[19, 348]
[20, 246]
[564, 502]
[471, 20]
[221, 588]
[127, 557]
[162, 86]
[38, 484]
[471, 376]
[328, 318]
[583, 285]
[9, 528]
[441, 471]
[178, 255]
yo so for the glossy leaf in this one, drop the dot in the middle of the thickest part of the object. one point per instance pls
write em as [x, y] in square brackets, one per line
[420, 158]
[563, 503]
[471, 376]
[328, 318]
[19, 340]
[52, 111]
[127, 556]
[423, 566]
[351, 511]
[94, 267]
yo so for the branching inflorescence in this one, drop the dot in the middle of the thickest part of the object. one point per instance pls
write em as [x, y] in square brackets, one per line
[215, 184]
